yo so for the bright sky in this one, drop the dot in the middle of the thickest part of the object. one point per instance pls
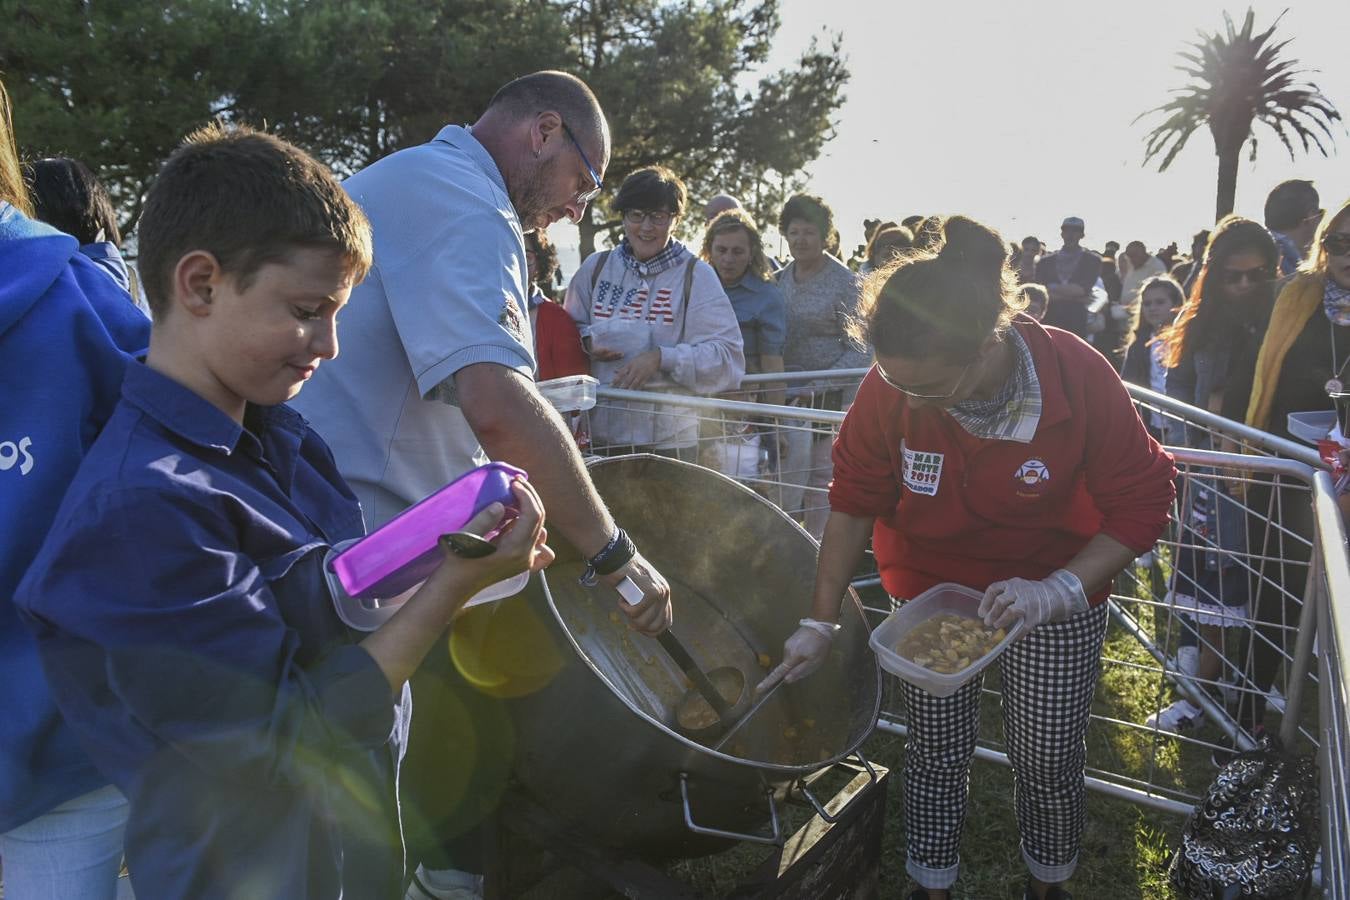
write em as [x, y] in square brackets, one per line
[1019, 114]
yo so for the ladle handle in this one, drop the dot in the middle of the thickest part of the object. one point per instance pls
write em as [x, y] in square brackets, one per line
[632, 595]
[672, 645]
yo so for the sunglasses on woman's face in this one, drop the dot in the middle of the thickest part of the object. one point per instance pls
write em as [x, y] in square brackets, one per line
[1336, 244]
[930, 397]
[1233, 277]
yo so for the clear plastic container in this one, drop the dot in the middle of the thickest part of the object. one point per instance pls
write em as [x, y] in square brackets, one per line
[574, 393]
[1312, 426]
[370, 577]
[951, 598]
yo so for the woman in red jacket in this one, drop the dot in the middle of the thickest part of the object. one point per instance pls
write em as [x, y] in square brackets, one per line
[986, 450]
[558, 349]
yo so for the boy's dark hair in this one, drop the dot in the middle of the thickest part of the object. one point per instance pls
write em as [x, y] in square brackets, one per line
[654, 187]
[70, 198]
[248, 198]
[1290, 203]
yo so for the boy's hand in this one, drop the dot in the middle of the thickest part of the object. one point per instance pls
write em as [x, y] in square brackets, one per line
[520, 547]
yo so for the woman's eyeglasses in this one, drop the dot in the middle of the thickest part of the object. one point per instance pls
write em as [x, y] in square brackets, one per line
[917, 396]
[658, 217]
[1336, 244]
[1233, 277]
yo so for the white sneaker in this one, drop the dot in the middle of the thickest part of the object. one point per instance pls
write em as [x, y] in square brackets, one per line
[444, 884]
[1183, 715]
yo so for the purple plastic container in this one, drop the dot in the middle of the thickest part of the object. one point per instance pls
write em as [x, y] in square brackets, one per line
[404, 551]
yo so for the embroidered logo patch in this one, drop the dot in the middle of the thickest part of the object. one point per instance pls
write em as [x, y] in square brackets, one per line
[512, 320]
[1032, 478]
[922, 470]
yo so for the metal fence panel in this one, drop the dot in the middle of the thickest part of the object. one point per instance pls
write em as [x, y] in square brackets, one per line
[1252, 573]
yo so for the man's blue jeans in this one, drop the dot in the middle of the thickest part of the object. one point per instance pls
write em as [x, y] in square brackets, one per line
[73, 852]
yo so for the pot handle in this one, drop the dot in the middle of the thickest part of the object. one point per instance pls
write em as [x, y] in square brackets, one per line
[820, 810]
[775, 840]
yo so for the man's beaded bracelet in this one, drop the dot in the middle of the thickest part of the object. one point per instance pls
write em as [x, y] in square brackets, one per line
[618, 553]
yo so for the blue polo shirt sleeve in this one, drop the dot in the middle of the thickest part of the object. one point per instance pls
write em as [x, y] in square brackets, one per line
[772, 320]
[194, 651]
[455, 287]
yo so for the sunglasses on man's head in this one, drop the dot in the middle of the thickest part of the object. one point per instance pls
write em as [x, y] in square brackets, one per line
[1336, 244]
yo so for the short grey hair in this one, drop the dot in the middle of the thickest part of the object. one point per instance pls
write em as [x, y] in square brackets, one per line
[565, 94]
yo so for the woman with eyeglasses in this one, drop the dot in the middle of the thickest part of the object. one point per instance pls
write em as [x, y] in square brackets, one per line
[1303, 366]
[653, 316]
[1209, 351]
[822, 298]
[986, 450]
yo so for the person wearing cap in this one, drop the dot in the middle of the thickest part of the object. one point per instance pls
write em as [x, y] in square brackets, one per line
[1072, 275]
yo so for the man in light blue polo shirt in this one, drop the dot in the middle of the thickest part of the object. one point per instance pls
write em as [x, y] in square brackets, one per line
[436, 371]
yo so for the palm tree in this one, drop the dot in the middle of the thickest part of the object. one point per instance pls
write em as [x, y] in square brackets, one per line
[1238, 78]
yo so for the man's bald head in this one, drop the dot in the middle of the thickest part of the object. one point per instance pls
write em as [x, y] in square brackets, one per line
[565, 94]
[718, 205]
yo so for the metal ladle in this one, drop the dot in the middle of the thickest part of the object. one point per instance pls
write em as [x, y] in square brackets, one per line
[726, 681]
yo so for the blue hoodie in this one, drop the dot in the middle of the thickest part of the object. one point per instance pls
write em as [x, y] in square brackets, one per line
[66, 329]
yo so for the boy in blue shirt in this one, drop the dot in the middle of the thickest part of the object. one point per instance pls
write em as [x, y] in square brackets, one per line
[179, 600]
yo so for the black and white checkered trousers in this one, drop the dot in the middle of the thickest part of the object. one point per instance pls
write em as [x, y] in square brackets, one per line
[1049, 677]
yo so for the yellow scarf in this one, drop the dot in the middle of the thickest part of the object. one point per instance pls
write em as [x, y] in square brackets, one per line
[1297, 303]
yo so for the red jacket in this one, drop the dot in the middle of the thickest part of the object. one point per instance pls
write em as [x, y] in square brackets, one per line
[557, 343]
[975, 511]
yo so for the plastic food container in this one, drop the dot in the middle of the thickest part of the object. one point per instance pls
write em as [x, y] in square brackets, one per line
[370, 577]
[1312, 426]
[574, 393]
[951, 598]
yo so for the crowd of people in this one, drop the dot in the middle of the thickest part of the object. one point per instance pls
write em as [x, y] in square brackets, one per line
[179, 688]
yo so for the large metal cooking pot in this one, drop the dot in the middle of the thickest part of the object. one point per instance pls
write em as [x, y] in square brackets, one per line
[594, 702]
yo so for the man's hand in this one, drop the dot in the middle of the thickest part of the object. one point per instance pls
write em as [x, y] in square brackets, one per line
[638, 371]
[653, 615]
[1067, 292]
[1053, 599]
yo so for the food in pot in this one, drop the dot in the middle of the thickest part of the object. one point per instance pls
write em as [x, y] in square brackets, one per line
[948, 643]
[695, 713]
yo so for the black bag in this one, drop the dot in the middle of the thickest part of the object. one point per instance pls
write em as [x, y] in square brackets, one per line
[1256, 832]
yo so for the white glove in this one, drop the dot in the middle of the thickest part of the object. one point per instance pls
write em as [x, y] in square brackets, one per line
[803, 653]
[1053, 599]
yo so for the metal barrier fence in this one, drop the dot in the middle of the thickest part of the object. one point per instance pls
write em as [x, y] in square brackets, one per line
[1250, 584]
